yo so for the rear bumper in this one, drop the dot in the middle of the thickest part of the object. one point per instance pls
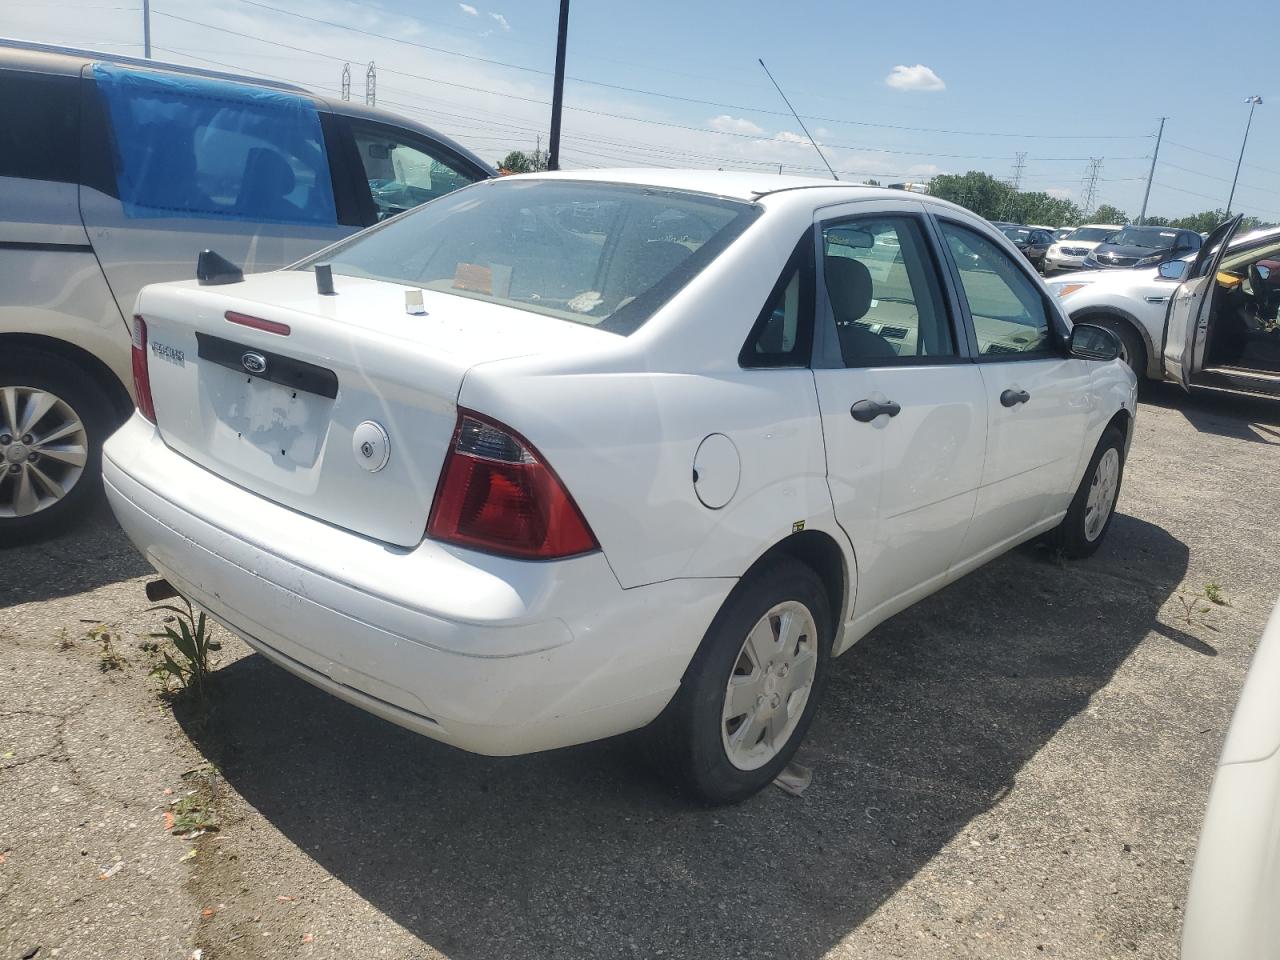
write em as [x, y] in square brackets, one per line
[492, 655]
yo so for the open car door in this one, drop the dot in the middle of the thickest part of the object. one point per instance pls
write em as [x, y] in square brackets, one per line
[1186, 325]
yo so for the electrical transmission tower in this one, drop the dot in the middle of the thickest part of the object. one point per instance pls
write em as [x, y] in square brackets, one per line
[1089, 191]
[346, 81]
[371, 85]
[1019, 164]
[1015, 180]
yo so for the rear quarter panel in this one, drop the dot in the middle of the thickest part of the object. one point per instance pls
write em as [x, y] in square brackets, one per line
[621, 427]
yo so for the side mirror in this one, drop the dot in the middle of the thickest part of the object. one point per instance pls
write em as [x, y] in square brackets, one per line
[1093, 343]
[1173, 269]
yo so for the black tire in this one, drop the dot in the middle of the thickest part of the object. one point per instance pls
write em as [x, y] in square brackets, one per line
[95, 410]
[1072, 535]
[1134, 351]
[685, 743]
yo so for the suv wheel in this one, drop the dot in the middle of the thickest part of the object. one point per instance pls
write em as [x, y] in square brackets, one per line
[53, 421]
[1132, 350]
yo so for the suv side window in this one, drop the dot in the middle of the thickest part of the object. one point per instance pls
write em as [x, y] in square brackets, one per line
[38, 126]
[1010, 316]
[193, 147]
[404, 171]
[882, 285]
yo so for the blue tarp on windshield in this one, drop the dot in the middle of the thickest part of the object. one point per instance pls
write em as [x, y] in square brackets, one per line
[194, 147]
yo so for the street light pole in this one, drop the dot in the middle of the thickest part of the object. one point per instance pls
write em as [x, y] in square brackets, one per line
[1253, 103]
[146, 28]
[557, 93]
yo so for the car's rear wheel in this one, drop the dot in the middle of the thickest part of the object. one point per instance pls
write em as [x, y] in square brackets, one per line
[53, 421]
[752, 689]
[1089, 517]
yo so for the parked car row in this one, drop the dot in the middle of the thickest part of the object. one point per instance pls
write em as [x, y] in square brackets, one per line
[1207, 320]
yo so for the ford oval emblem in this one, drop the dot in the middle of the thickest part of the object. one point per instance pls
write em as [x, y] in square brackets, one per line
[254, 362]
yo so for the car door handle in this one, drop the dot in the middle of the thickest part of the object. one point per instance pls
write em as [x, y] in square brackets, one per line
[864, 411]
[1011, 398]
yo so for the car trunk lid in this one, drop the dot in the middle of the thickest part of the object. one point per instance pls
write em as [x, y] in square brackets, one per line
[347, 410]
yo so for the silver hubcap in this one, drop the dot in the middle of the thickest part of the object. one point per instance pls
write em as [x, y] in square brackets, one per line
[43, 448]
[1102, 494]
[769, 685]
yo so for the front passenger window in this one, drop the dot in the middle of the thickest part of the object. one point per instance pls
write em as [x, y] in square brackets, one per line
[1009, 314]
[402, 175]
[884, 293]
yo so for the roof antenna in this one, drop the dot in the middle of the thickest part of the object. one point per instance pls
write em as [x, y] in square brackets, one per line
[799, 121]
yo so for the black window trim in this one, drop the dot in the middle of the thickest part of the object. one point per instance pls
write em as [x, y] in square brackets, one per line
[352, 208]
[949, 301]
[802, 257]
[1058, 334]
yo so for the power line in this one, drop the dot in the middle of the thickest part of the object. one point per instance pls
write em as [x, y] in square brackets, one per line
[655, 93]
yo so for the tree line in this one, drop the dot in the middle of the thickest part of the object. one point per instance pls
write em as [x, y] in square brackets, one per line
[996, 200]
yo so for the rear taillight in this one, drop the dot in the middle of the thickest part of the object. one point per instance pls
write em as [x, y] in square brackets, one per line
[497, 494]
[141, 376]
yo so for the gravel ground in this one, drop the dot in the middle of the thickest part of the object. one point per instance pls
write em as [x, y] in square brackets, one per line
[1017, 767]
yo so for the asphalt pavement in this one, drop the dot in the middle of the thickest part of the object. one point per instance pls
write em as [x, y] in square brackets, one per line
[1017, 767]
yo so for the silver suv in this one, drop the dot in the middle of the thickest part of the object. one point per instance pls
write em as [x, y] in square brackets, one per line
[116, 173]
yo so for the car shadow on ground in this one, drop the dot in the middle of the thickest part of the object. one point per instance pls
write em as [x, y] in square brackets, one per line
[1240, 418]
[581, 852]
[90, 553]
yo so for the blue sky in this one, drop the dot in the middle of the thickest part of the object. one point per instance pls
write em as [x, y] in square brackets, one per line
[1060, 86]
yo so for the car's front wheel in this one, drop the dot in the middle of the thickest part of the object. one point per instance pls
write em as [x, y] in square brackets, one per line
[752, 689]
[53, 421]
[1093, 507]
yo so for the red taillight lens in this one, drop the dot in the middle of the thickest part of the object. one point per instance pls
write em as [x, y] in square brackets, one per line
[497, 494]
[141, 376]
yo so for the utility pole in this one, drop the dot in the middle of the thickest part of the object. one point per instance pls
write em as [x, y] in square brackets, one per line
[1090, 191]
[146, 28]
[346, 81]
[371, 85]
[1152, 174]
[1253, 102]
[557, 93]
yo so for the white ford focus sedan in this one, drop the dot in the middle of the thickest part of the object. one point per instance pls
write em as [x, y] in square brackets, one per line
[561, 456]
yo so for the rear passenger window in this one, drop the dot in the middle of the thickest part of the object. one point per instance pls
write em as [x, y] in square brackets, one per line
[1009, 314]
[403, 174]
[883, 288]
[783, 333]
[39, 116]
[194, 147]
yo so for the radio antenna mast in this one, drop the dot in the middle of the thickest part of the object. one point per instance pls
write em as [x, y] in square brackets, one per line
[798, 120]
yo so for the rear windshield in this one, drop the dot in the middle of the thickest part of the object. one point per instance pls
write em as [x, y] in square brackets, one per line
[1090, 233]
[607, 255]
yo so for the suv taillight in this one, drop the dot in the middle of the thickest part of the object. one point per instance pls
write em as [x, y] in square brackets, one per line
[497, 494]
[141, 376]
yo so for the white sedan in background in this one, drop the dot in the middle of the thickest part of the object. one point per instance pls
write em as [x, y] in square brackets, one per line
[561, 456]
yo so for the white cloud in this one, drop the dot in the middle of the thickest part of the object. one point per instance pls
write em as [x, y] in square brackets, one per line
[918, 77]
[786, 136]
[501, 21]
[727, 124]
[469, 10]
